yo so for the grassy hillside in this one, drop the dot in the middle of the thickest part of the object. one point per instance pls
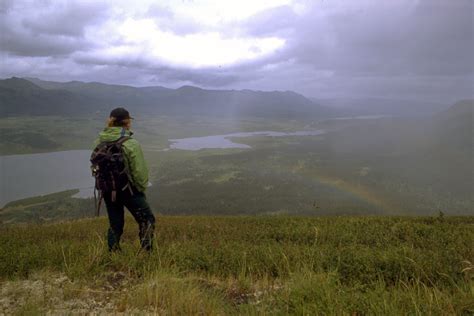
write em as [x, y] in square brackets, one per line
[244, 265]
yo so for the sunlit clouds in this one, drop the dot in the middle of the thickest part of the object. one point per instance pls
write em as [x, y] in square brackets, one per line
[207, 49]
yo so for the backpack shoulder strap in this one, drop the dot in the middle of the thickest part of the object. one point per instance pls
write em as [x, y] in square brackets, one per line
[122, 140]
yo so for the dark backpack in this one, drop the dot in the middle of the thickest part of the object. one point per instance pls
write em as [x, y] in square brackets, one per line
[109, 169]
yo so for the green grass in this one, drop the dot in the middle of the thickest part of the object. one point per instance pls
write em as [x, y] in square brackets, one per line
[255, 265]
[47, 208]
[40, 199]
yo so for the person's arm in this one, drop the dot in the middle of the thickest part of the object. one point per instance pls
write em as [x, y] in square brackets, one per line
[136, 164]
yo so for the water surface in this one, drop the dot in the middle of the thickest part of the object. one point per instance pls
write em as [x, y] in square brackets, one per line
[223, 141]
[24, 176]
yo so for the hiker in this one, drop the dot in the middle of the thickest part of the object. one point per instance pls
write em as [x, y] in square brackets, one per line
[117, 153]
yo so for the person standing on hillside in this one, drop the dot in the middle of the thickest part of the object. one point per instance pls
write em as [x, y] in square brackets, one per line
[121, 176]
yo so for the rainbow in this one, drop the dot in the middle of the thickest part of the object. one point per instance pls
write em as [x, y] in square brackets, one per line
[358, 191]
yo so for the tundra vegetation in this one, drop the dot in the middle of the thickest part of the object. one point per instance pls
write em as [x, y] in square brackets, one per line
[334, 265]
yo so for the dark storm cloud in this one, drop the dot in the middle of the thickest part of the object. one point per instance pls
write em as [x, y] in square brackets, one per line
[207, 77]
[366, 48]
[69, 19]
[435, 38]
[54, 30]
[5, 5]
[39, 45]
[405, 48]
[445, 33]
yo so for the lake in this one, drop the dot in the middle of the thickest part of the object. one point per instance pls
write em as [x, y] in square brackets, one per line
[223, 141]
[24, 176]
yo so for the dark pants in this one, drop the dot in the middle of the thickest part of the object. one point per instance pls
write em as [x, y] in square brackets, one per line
[138, 206]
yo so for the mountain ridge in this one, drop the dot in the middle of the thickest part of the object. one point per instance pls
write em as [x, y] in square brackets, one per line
[85, 98]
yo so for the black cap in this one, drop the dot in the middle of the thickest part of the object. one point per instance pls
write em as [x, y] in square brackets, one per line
[120, 114]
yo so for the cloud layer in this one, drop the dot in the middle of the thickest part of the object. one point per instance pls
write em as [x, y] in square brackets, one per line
[418, 49]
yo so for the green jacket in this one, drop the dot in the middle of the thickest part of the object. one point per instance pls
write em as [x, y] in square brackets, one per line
[133, 155]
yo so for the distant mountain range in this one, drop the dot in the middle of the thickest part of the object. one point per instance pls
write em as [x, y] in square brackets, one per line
[31, 96]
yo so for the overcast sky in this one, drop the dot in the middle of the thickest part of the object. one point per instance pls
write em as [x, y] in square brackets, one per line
[421, 49]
